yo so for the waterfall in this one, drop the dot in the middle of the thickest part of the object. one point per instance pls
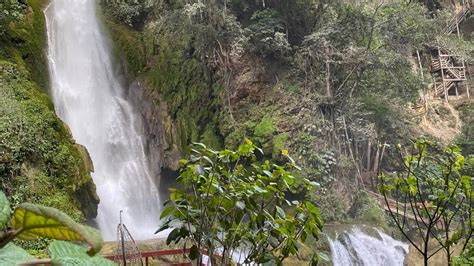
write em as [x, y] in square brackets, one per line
[89, 98]
[355, 247]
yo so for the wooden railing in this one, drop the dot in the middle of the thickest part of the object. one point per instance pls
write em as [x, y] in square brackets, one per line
[460, 16]
[440, 88]
[163, 253]
[457, 73]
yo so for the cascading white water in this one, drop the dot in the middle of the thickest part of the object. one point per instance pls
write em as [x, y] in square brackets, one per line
[90, 99]
[355, 247]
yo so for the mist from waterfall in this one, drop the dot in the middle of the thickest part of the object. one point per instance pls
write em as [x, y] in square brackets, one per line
[90, 99]
[355, 247]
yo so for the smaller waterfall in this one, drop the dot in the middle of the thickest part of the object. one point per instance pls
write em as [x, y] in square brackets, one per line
[355, 247]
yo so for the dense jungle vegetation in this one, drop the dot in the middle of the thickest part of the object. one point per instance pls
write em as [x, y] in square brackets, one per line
[334, 82]
[337, 84]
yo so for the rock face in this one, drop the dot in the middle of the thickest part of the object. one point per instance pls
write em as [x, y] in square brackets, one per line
[87, 198]
[86, 194]
[161, 132]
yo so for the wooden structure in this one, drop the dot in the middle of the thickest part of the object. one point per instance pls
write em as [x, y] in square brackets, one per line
[148, 256]
[448, 70]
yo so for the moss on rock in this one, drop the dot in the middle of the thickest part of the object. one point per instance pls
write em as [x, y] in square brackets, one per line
[39, 160]
[164, 60]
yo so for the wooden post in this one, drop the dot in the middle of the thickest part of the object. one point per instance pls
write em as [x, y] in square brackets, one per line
[432, 75]
[352, 154]
[442, 76]
[124, 259]
[425, 99]
[467, 80]
[328, 74]
[369, 153]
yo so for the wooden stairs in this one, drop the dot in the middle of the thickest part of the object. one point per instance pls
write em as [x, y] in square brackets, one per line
[447, 69]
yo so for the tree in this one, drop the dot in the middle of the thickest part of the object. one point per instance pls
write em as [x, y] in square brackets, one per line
[231, 204]
[131, 13]
[434, 192]
[11, 10]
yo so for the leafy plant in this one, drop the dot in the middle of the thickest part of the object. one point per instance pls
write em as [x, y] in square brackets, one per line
[11, 11]
[131, 13]
[467, 257]
[231, 204]
[30, 221]
[436, 195]
[266, 33]
[367, 209]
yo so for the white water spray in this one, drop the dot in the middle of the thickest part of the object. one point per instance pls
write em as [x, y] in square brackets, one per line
[357, 248]
[90, 99]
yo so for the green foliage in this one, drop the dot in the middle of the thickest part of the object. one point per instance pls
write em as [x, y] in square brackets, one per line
[36, 247]
[267, 33]
[368, 210]
[432, 188]
[65, 253]
[464, 48]
[131, 13]
[210, 138]
[279, 144]
[466, 139]
[229, 201]
[13, 255]
[264, 129]
[38, 160]
[213, 62]
[467, 257]
[12, 11]
[30, 221]
[4, 210]
[407, 25]
[330, 204]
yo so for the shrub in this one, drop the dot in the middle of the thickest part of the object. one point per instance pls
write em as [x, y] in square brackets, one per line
[229, 201]
[366, 209]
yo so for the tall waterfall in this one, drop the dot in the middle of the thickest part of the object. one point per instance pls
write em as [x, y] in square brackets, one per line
[355, 247]
[89, 98]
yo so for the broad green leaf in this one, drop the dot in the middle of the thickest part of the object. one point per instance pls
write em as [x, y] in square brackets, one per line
[312, 208]
[4, 210]
[65, 253]
[173, 236]
[91, 261]
[34, 221]
[13, 255]
[167, 212]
